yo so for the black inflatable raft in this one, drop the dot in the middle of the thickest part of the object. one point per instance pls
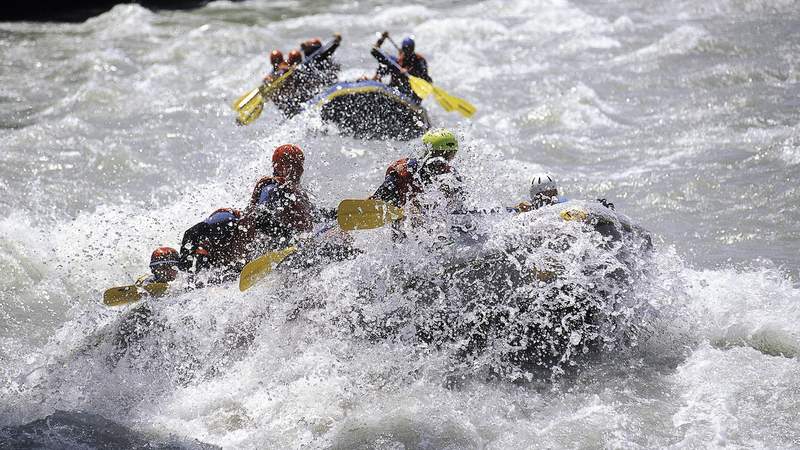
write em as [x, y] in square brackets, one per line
[371, 110]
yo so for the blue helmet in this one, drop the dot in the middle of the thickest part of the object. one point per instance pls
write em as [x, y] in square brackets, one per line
[408, 45]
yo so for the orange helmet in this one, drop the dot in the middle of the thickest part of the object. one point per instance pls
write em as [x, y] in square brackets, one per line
[164, 256]
[275, 58]
[287, 161]
[294, 57]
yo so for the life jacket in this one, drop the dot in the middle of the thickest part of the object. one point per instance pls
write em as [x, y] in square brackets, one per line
[404, 168]
[281, 209]
[265, 190]
[400, 182]
[405, 178]
[415, 65]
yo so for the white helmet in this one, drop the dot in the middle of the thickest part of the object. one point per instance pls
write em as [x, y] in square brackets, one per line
[542, 183]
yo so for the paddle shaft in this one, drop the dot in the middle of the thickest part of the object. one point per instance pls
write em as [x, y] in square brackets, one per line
[393, 42]
[260, 267]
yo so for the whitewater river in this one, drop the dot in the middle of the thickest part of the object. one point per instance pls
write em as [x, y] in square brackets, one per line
[116, 135]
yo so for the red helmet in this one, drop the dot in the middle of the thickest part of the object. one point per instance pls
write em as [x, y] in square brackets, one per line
[275, 58]
[294, 57]
[287, 161]
[164, 256]
[310, 46]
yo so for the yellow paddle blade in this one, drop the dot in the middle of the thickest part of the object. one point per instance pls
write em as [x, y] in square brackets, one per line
[123, 295]
[261, 267]
[354, 214]
[454, 103]
[249, 106]
[574, 214]
[447, 101]
[246, 99]
[246, 117]
[444, 100]
[239, 102]
[420, 87]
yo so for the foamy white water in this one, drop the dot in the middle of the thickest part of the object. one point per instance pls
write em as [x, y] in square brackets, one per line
[116, 135]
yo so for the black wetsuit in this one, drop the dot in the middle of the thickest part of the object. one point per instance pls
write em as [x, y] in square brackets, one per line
[210, 243]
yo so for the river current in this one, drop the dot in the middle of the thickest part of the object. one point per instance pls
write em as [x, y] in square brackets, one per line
[116, 135]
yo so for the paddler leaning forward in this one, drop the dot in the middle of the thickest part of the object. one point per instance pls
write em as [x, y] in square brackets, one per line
[408, 177]
[279, 211]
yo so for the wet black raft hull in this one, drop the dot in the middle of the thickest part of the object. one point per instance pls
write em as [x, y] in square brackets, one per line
[371, 110]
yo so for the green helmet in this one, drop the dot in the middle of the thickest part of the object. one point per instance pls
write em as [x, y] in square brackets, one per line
[440, 143]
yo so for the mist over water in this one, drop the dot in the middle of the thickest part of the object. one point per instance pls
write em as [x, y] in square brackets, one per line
[116, 135]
